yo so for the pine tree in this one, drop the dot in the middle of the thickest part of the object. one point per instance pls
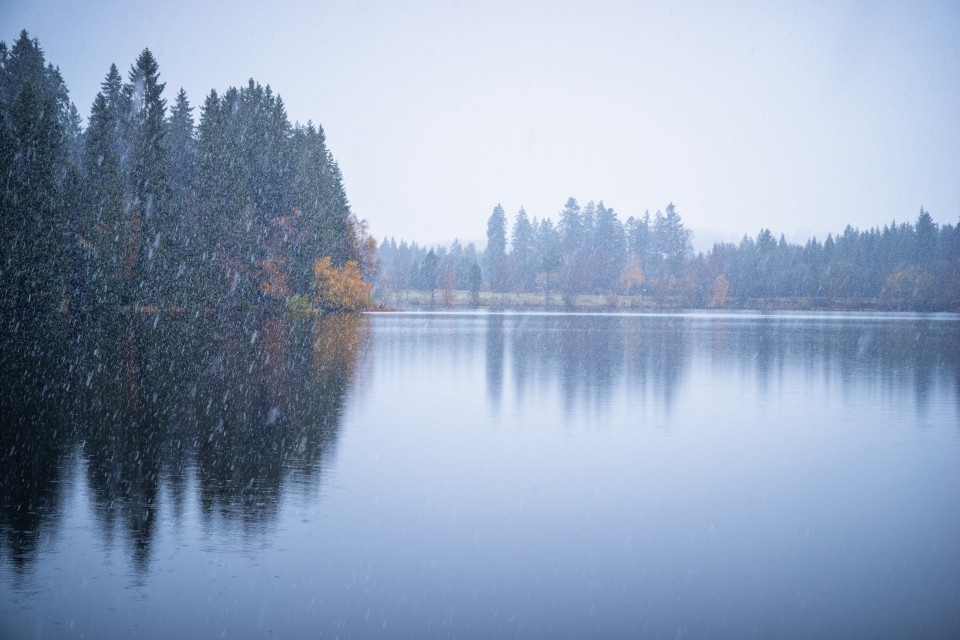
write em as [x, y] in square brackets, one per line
[672, 240]
[926, 242]
[213, 197]
[33, 209]
[149, 216]
[181, 150]
[495, 255]
[609, 252]
[104, 220]
[570, 227]
[429, 271]
[638, 241]
[181, 153]
[522, 253]
[549, 256]
[34, 175]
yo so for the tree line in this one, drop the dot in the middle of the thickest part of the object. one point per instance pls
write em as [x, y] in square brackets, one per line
[411, 266]
[590, 251]
[150, 206]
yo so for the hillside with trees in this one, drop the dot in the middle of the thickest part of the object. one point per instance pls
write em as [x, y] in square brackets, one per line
[590, 251]
[153, 206]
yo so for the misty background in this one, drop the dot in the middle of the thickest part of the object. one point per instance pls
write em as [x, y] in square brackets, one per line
[800, 118]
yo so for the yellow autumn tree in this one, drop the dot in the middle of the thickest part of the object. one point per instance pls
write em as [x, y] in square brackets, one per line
[632, 277]
[720, 287]
[340, 289]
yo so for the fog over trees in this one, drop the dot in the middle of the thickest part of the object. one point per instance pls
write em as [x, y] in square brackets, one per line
[226, 205]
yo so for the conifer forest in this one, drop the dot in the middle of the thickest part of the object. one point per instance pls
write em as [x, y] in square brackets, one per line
[589, 250]
[230, 205]
[156, 205]
[474, 399]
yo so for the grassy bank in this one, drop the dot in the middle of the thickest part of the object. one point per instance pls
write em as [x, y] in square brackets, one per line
[445, 298]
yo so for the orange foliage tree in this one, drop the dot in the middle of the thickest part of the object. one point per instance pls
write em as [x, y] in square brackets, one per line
[340, 289]
[720, 287]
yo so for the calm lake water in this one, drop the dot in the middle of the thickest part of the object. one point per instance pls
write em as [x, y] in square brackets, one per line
[481, 475]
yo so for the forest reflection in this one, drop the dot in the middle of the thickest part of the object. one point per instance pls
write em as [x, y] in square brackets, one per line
[248, 405]
[581, 360]
[242, 408]
[588, 356]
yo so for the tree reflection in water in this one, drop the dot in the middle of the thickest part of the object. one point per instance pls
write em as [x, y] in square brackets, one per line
[651, 354]
[246, 407]
[249, 404]
[35, 439]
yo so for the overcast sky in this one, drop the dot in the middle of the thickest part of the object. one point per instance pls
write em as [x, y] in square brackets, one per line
[799, 116]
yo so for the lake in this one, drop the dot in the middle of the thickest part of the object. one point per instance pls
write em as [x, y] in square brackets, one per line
[481, 475]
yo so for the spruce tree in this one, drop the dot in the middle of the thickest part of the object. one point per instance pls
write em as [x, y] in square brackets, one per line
[150, 219]
[496, 252]
[181, 153]
[609, 252]
[522, 252]
[34, 175]
[926, 240]
[104, 221]
[570, 227]
[181, 148]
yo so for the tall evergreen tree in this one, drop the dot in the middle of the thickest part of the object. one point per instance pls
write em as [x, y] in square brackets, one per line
[181, 154]
[495, 255]
[570, 227]
[550, 256]
[181, 149]
[522, 254]
[926, 243]
[32, 212]
[150, 218]
[215, 180]
[34, 174]
[429, 272]
[609, 249]
[673, 240]
[105, 219]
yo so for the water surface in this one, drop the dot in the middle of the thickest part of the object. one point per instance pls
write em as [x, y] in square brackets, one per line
[481, 475]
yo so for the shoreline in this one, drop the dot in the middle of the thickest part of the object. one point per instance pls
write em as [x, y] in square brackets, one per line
[460, 299]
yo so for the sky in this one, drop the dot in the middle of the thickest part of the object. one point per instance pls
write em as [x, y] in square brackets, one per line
[800, 117]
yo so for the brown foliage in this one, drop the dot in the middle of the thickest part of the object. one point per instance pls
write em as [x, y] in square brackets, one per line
[275, 283]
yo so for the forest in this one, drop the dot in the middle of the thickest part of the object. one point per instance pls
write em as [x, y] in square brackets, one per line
[589, 250]
[150, 207]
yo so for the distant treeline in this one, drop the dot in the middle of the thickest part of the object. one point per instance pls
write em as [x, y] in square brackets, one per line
[147, 206]
[589, 250]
